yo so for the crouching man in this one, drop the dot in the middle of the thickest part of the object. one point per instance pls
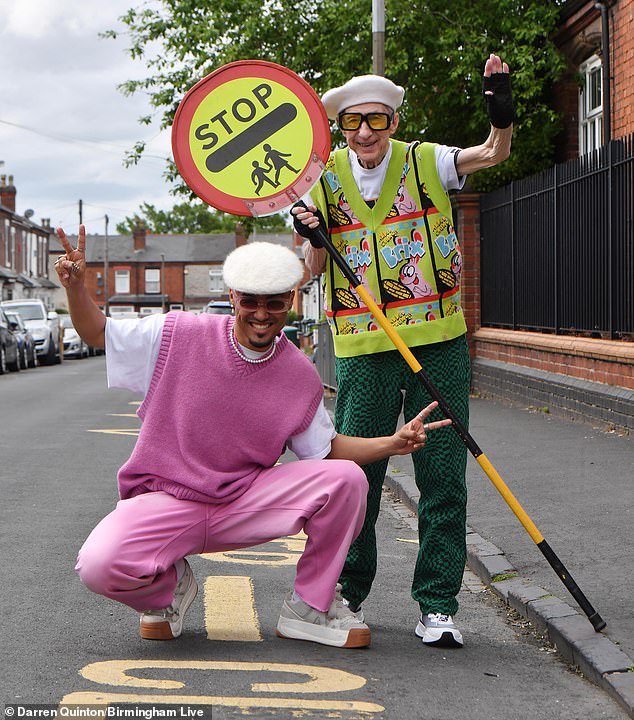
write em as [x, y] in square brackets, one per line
[224, 396]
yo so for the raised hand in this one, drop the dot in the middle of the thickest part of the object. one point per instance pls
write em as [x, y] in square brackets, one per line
[496, 88]
[71, 266]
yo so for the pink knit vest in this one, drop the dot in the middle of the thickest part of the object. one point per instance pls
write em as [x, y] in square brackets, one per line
[211, 420]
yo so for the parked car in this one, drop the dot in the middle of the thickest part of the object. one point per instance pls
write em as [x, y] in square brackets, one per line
[219, 307]
[9, 349]
[44, 326]
[74, 346]
[26, 341]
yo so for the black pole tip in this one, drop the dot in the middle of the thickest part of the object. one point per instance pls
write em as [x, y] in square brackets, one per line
[598, 623]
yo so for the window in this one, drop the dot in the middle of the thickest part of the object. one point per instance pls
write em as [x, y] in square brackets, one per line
[144, 311]
[152, 281]
[122, 282]
[216, 283]
[590, 106]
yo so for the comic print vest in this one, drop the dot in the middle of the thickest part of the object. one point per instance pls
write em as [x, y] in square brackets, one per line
[403, 250]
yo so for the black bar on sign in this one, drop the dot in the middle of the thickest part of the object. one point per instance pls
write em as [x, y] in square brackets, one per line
[252, 136]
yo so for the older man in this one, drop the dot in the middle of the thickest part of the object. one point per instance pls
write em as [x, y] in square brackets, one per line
[223, 398]
[386, 208]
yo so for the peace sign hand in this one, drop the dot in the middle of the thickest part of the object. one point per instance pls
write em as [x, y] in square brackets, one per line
[413, 435]
[71, 266]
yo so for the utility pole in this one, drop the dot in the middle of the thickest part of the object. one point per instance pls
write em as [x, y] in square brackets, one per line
[162, 282]
[106, 304]
[81, 212]
[378, 37]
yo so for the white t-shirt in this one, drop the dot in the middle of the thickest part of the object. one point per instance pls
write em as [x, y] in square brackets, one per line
[132, 347]
[370, 181]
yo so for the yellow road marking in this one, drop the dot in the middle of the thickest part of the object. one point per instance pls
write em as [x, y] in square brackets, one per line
[123, 415]
[121, 431]
[250, 556]
[407, 540]
[320, 679]
[244, 703]
[230, 612]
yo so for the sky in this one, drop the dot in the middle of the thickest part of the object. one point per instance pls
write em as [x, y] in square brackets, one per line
[64, 125]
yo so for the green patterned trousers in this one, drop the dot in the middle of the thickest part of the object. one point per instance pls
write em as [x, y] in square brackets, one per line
[371, 392]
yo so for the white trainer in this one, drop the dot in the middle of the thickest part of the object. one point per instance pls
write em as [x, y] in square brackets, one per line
[438, 629]
[338, 627]
[167, 623]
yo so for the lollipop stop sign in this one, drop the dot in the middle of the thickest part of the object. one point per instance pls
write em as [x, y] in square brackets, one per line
[251, 138]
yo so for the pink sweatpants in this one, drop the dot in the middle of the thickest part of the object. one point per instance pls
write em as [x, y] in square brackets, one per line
[130, 555]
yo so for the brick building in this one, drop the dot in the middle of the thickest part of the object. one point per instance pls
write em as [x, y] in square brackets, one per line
[24, 249]
[581, 377]
[597, 92]
[146, 272]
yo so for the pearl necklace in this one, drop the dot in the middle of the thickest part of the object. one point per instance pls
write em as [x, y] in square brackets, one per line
[254, 361]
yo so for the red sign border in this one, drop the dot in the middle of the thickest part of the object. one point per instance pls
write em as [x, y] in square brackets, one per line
[233, 71]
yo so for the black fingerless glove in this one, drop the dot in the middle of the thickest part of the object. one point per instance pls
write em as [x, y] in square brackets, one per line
[499, 105]
[311, 234]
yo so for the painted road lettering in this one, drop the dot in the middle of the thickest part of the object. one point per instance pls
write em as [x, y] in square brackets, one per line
[120, 673]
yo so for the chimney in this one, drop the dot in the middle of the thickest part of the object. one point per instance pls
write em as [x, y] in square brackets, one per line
[241, 238]
[138, 233]
[7, 193]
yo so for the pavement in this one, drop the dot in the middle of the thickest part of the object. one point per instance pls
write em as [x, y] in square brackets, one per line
[576, 484]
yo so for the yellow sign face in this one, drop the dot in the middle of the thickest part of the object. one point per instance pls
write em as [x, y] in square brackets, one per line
[249, 137]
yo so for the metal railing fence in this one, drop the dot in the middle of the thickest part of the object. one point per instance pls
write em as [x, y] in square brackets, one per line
[557, 248]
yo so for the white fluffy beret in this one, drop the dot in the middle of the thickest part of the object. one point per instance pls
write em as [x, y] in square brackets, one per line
[262, 268]
[362, 89]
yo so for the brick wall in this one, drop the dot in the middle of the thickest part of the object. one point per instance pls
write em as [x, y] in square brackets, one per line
[466, 211]
[622, 59]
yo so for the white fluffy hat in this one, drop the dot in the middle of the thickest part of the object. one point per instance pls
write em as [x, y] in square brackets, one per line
[362, 89]
[262, 268]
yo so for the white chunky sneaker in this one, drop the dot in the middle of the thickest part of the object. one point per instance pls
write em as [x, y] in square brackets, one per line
[167, 623]
[338, 627]
[438, 629]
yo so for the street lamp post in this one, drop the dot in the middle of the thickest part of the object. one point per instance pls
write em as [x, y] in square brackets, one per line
[162, 282]
[378, 37]
[106, 304]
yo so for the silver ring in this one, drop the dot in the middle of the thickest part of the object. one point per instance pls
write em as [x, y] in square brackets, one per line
[426, 427]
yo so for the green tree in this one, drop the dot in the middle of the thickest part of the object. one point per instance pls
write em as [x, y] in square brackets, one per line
[434, 48]
[197, 217]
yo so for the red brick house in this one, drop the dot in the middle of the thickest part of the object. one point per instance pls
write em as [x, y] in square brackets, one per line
[147, 272]
[583, 377]
[24, 249]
